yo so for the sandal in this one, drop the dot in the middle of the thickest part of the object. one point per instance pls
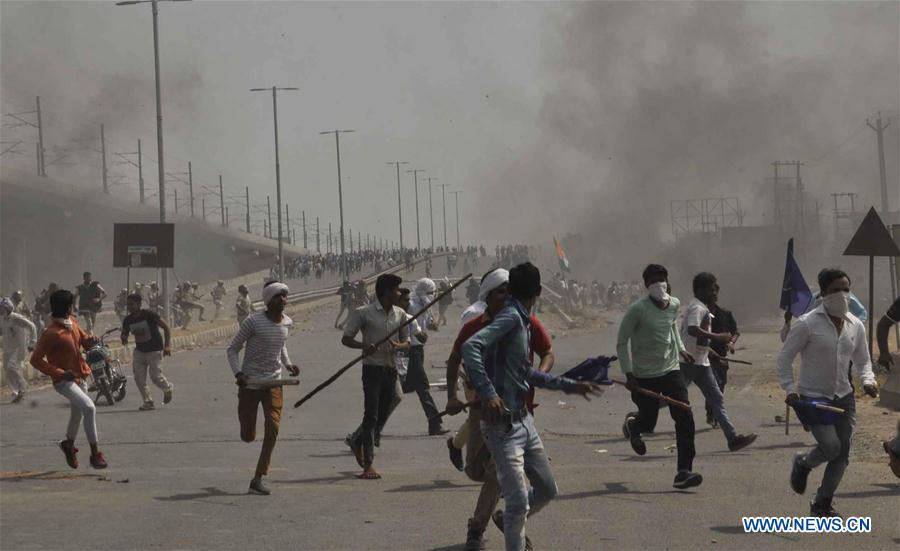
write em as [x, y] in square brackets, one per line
[368, 476]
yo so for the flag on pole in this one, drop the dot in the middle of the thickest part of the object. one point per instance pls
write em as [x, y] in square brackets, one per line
[561, 256]
[795, 294]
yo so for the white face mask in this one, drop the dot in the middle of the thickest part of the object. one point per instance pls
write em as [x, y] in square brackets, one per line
[659, 291]
[837, 304]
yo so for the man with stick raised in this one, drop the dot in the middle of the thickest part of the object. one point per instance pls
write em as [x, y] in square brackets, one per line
[652, 363]
[264, 334]
[828, 339]
[379, 376]
[499, 366]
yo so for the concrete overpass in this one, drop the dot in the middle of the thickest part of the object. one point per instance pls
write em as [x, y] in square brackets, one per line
[52, 230]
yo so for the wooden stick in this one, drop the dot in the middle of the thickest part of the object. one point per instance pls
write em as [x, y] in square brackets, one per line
[832, 409]
[269, 383]
[359, 358]
[743, 362]
[658, 396]
[787, 418]
[445, 412]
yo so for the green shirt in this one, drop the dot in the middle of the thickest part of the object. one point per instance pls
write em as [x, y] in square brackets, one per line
[654, 337]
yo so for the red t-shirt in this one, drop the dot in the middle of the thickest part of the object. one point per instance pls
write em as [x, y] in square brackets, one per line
[539, 340]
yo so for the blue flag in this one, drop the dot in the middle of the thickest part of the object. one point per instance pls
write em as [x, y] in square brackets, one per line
[795, 294]
[594, 370]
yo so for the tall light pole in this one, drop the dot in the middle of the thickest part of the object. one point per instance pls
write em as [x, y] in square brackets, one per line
[415, 173]
[431, 211]
[399, 207]
[444, 208]
[164, 275]
[456, 193]
[277, 171]
[337, 143]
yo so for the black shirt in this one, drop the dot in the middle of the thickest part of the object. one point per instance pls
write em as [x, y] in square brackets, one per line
[893, 312]
[145, 327]
[722, 322]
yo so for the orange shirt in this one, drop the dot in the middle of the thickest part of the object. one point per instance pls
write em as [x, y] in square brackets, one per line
[58, 350]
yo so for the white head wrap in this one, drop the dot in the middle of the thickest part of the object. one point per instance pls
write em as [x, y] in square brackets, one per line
[473, 311]
[272, 290]
[6, 306]
[491, 281]
[424, 287]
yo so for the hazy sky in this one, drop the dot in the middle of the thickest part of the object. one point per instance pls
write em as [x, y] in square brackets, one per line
[559, 110]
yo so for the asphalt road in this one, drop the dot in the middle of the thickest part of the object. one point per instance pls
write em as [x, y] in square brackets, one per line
[178, 476]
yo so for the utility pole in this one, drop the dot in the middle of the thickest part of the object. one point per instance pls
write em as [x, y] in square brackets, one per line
[269, 210]
[40, 128]
[227, 218]
[287, 214]
[140, 172]
[247, 195]
[350, 234]
[329, 237]
[431, 211]
[175, 200]
[415, 173]
[885, 204]
[879, 128]
[103, 154]
[221, 199]
[303, 213]
[337, 143]
[444, 207]
[399, 206]
[191, 187]
[456, 193]
[318, 241]
[277, 171]
[203, 205]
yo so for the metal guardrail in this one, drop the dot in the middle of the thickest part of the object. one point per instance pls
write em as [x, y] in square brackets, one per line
[307, 296]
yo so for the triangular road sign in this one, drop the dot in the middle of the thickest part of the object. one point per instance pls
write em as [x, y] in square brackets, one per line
[872, 238]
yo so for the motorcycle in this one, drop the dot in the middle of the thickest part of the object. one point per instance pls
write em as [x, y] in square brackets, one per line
[107, 378]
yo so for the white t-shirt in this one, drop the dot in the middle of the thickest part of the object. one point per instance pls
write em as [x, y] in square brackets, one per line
[696, 315]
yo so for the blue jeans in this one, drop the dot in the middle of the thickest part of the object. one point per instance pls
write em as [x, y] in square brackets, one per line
[703, 377]
[832, 446]
[518, 453]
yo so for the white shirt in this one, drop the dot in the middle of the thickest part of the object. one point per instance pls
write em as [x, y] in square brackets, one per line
[266, 354]
[14, 327]
[416, 304]
[825, 356]
[696, 315]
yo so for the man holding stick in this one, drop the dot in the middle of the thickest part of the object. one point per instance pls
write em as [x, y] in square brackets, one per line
[498, 364]
[379, 376]
[264, 334]
[652, 363]
[828, 339]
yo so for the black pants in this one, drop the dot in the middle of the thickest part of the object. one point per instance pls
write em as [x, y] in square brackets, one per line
[672, 385]
[417, 381]
[720, 371]
[379, 391]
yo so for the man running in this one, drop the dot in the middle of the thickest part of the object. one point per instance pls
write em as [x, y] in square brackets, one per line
[90, 297]
[242, 304]
[58, 355]
[652, 362]
[149, 349]
[19, 334]
[218, 293]
[828, 339]
[498, 365]
[696, 334]
[416, 379]
[265, 335]
[379, 376]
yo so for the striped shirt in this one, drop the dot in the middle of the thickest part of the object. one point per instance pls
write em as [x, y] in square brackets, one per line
[266, 354]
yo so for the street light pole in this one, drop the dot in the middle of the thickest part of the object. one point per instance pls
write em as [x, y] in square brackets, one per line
[277, 172]
[444, 207]
[415, 173]
[164, 275]
[337, 143]
[399, 206]
[431, 211]
[456, 193]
